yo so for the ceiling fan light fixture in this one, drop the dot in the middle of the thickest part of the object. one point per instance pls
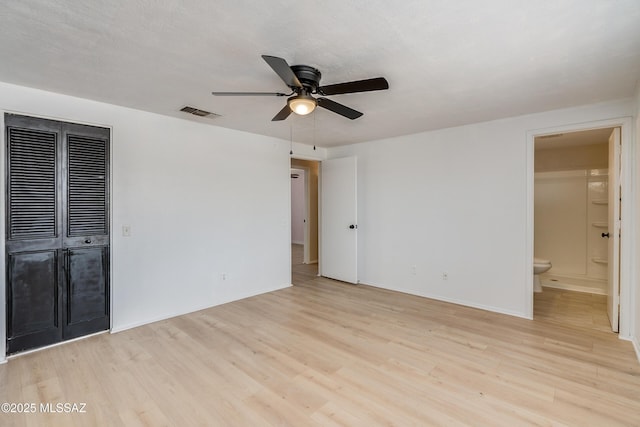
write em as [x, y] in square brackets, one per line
[302, 104]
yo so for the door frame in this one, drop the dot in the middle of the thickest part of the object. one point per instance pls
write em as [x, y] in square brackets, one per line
[307, 211]
[613, 227]
[626, 212]
[307, 202]
[305, 205]
[3, 195]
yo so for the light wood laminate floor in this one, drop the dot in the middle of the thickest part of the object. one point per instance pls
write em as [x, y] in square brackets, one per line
[300, 272]
[579, 309]
[326, 353]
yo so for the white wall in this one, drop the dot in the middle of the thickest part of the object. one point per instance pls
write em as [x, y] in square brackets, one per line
[635, 292]
[455, 201]
[297, 207]
[192, 215]
[450, 200]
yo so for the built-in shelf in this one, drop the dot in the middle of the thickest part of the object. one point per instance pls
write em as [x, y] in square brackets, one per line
[600, 224]
[599, 260]
[600, 201]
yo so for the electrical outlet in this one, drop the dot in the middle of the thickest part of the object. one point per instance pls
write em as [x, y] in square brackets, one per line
[413, 270]
[445, 276]
[224, 276]
[126, 230]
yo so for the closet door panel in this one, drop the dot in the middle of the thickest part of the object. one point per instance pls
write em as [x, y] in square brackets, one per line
[33, 232]
[87, 291]
[33, 303]
[86, 229]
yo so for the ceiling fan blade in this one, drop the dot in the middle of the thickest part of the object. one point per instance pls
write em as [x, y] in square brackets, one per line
[248, 94]
[283, 114]
[283, 70]
[338, 108]
[378, 83]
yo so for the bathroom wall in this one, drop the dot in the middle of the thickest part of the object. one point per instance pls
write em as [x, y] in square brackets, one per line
[560, 220]
[570, 213]
[594, 156]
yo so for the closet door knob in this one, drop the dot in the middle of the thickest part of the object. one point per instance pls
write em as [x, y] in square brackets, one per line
[605, 235]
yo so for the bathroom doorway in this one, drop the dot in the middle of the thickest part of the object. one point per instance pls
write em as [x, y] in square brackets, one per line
[304, 220]
[575, 223]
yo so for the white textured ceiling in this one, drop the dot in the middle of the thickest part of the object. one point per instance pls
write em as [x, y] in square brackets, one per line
[447, 62]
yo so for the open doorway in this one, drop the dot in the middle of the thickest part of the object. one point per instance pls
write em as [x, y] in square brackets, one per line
[304, 220]
[576, 262]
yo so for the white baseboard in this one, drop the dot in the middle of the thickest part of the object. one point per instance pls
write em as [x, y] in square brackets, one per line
[192, 310]
[481, 307]
[636, 346]
[575, 283]
[574, 288]
[634, 342]
[451, 301]
[132, 325]
[3, 361]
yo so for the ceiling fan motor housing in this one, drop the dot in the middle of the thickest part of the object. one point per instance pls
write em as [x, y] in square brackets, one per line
[308, 76]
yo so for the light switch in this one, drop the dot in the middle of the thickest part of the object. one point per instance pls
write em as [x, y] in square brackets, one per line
[126, 230]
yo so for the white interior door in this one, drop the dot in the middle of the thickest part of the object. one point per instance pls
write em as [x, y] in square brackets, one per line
[339, 252]
[613, 289]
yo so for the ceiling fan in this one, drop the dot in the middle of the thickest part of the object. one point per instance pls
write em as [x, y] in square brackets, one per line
[304, 81]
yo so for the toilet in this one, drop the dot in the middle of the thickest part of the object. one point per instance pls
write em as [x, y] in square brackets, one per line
[539, 266]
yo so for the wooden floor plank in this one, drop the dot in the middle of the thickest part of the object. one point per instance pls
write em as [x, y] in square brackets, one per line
[328, 353]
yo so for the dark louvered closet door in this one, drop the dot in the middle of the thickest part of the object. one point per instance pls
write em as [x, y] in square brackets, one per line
[33, 229]
[86, 230]
[57, 234]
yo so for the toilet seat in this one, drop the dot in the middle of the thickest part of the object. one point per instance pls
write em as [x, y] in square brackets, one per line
[541, 261]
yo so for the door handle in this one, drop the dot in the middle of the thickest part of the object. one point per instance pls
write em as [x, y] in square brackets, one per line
[353, 226]
[605, 235]
[87, 241]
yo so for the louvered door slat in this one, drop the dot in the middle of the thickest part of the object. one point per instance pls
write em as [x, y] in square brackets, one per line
[32, 184]
[87, 192]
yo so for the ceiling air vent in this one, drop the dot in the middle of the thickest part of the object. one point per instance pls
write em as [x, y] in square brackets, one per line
[198, 112]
